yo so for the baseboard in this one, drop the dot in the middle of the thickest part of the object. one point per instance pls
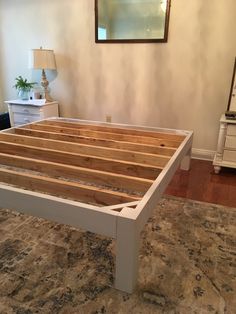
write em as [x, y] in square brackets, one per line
[203, 154]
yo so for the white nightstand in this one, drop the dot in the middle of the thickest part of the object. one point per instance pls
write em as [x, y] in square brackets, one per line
[26, 111]
[226, 149]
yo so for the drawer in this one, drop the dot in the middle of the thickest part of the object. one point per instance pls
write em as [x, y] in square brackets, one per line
[231, 129]
[229, 155]
[230, 142]
[25, 109]
[23, 118]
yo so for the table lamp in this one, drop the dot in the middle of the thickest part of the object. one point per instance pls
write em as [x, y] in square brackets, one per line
[43, 59]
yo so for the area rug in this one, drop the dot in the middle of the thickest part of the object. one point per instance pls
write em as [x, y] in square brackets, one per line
[187, 264]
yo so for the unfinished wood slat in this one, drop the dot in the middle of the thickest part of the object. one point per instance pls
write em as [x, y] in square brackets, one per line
[77, 173]
[66, 189]
[106, 135]
[165, 151]
[150, 159]
[104, 164]
[112, 129]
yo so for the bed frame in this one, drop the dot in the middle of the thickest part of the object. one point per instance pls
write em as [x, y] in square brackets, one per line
[102, 177]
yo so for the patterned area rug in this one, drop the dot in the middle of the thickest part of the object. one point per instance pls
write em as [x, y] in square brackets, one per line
[187, 264]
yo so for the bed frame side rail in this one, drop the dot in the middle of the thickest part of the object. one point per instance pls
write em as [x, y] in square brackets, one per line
[131, 221]
[79, 215]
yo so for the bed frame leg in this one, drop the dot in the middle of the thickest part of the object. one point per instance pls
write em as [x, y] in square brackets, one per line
[185, 163]
[127, 249]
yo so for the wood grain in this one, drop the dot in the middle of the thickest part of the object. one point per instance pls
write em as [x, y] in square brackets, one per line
[165, 151]
[106, 135]
[112, 129]
[86, 161]
[93, 176]
[62, 188]
[125, 155]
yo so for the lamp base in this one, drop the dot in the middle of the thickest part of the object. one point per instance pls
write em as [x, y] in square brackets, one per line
[44, 84]
[47, 96]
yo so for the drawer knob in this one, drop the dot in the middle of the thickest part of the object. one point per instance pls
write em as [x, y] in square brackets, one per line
[25, 110]
[26, 120]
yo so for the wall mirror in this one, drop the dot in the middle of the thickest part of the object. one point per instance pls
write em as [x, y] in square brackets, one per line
[232, 95]
[132, 21]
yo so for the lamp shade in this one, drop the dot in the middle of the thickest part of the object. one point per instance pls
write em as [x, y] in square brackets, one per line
[42, 59]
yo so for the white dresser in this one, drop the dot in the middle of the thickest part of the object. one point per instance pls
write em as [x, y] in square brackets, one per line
[26, 111]
[226, 148]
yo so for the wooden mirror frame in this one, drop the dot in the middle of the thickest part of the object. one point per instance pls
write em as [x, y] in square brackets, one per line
[153, 40]
[232, 86]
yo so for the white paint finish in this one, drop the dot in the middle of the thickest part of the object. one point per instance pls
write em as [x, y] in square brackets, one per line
[218, 165]
[90, 218]
[30, 102]
[49, 111]
[230, 142]
[19, 119]
[226, 148]
[127, 248]
[22, 112]
[221, 140]
[183, 84]
[185, 163]
[229, 155]
[121, 206]
[146, 205]
[25, 109]
[130, 222]
[231, 129]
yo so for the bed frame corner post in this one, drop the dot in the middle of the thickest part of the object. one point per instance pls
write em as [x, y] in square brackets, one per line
[185, 163]
[127, 251]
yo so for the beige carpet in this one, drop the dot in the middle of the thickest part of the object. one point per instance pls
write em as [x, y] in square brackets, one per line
[187, 264]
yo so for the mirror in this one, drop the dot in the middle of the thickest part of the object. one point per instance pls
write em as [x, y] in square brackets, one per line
[131, 21]
[232, 95]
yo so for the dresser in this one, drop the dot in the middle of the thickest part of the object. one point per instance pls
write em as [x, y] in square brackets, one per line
[226, 148]
[26, 111]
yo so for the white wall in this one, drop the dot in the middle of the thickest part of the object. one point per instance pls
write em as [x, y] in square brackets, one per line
[182, 84]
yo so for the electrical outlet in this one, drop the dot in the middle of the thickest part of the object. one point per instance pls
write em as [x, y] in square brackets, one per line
[108, 118]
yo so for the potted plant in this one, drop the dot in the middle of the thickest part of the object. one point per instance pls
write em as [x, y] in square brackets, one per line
[23, 87]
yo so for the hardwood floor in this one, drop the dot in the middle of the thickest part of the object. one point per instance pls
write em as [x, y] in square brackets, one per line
[202, 184]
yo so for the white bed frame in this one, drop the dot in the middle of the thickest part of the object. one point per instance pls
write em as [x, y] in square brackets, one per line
[122, 221]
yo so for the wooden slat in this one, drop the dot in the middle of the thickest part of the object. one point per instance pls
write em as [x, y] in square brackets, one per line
[150, 159]
[77, 173]
[66, 189]
[113, 129]
[165, 151]
[104, 164]
[106, 135]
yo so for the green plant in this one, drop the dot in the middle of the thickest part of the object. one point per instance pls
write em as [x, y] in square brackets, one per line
[23, 84]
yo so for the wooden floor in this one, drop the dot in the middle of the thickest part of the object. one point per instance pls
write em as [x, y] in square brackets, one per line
[202, 184]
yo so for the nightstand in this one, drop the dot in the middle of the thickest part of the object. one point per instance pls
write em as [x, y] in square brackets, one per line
[26, 111]
[226, 148]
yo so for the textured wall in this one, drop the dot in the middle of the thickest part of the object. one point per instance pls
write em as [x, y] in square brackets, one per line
[182, 84]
